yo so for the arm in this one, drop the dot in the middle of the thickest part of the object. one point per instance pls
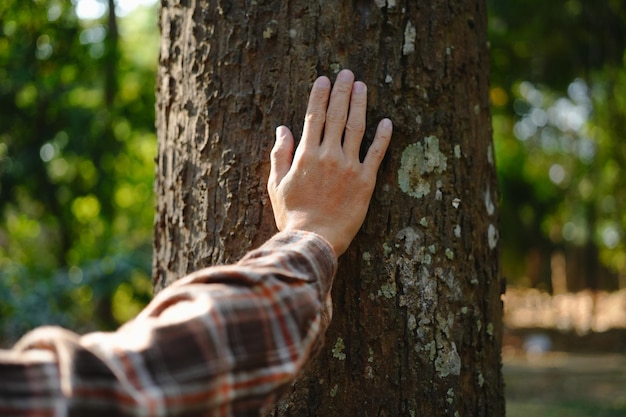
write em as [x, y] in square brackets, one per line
[223, 340]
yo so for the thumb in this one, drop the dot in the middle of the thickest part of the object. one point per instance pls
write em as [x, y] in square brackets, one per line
[281, 156]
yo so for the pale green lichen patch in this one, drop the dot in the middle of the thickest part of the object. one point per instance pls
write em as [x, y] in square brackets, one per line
[446, 276]
[417, 161]
[424, 221]
[333, 391]
[449, 254]
[388, 290]
[491, 208]
[448, 361]
[271, 29]
[492, 236]
[367, 257]
[457, 151]
[450, 398]
[411, 322]
[431, 349]
[412, 240]
[338, 349]
[410, 34]
[439, 193]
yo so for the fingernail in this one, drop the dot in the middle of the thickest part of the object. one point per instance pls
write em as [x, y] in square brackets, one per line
[280, 132]
[323, 82]
[345, 75]
[359, 87]
[386, 123]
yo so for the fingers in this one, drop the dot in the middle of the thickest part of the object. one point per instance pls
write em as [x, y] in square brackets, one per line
[355, 127]
[377, 149]
[316, 113]
[281, 156]
[337, 112]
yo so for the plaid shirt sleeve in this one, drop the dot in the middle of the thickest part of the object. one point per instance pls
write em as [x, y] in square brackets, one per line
[222, 341]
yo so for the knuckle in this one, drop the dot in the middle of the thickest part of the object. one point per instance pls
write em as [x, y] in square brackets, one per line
[308, 157]
[275, 152]
[359, 100]
[355, 126]
[319, 94]
[376, 152]
[385, 135]
[341, 88]
[271, 188]
[332, 161]
[330, 158]
[336, 116]
[320, 90]
[353, 171]
[315, 116]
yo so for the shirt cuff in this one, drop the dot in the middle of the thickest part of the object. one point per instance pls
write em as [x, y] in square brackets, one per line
[312, 248]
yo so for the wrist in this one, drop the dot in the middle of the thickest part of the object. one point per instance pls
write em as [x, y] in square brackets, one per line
[331, 237]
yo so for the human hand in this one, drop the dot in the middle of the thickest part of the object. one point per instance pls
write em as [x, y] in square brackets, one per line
[324, 187]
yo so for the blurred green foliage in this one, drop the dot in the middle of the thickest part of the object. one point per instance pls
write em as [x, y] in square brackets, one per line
[77, 148]
[558, 92]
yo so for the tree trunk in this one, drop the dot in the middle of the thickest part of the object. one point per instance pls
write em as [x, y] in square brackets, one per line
[417, 310]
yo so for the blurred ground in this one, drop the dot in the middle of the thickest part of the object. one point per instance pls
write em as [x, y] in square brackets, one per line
[565, 385]
[556, 362]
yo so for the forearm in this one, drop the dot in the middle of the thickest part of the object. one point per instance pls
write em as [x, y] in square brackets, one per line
[221, 338]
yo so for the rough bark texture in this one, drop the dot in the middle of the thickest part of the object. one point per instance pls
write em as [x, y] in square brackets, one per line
[417, 323]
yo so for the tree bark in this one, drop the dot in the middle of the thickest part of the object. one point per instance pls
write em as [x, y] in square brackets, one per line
[417, 310]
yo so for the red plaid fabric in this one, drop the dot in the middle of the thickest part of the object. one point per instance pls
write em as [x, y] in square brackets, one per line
[222, 341]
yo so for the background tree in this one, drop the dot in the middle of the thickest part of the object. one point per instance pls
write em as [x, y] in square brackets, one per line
[558, 103]
[76, 164]
[417, 322]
